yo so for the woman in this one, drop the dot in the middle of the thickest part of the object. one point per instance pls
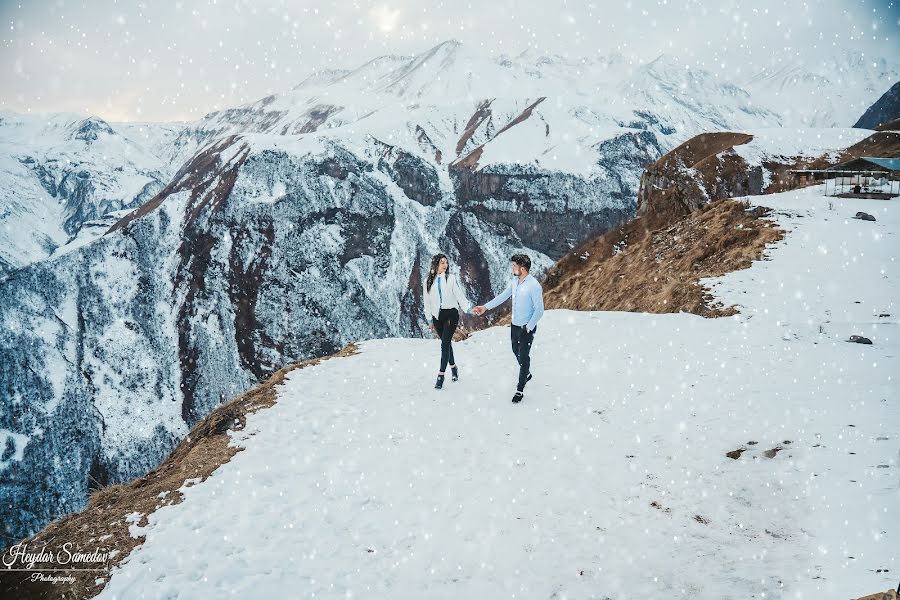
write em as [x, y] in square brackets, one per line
[443, 297]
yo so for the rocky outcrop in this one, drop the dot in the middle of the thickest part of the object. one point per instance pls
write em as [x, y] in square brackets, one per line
[702, 169]
[885, 113]
[562, 209]
[417, 178]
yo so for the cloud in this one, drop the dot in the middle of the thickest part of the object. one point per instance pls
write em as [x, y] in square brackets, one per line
[384, 17]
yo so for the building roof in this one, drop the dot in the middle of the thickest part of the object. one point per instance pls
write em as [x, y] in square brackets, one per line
[868, 163]
[891, 164]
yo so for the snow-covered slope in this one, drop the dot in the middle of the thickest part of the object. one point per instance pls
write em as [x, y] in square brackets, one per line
[61, 170]
[786, 144]
[832, 92]
[610, 479]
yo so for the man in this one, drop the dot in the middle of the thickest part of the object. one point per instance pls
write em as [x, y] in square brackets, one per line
[527, 310]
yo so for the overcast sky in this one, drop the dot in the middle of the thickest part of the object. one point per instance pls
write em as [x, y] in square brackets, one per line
[163, 60]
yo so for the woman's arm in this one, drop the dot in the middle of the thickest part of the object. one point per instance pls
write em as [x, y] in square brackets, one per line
[461, 298]
[426, 299]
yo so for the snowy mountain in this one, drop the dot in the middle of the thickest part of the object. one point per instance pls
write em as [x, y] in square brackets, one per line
[884, 113]
[59, 171]
[831, 93]
[303, 221]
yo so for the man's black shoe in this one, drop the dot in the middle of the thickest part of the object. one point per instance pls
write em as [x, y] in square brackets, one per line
[518, 397]
[440, 382]
[455, 373]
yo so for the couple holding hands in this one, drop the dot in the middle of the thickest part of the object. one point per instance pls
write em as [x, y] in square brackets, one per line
[443, 298]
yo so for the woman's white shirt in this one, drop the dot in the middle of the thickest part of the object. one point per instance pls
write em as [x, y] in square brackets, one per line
[451, 296]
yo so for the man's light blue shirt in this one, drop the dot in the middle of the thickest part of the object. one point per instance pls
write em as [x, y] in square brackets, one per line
[528, 304]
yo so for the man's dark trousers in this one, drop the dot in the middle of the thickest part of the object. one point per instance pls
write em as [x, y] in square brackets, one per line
[521, 347]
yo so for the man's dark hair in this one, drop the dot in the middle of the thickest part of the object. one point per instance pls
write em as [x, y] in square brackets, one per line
[522, 260]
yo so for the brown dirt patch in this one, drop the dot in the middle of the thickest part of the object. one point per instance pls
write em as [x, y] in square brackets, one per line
[892, 125]
[478, 117]
[633, 268]
[102, 525]
[470, 161]
[192, 175]
[735, 454]
[770, 453]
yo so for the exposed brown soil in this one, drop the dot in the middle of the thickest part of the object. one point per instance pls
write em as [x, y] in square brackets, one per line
[770, 453]
[883, 144]
[888, 595]
[470, 161]
[687, 229]
[478, 117]
[633, 268]
[191, 176]
[735, 454]
[102, 525]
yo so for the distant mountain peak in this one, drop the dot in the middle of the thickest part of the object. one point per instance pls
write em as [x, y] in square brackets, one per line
[89, 129]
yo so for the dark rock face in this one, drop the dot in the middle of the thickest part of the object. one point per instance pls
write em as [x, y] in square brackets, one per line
[250, 259]
[885, 110]
[550, 211]
[417, 178]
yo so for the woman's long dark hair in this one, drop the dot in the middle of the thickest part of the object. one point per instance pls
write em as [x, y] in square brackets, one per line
[432, 272]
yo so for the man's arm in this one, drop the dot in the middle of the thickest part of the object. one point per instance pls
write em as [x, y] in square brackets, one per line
[501, 298]
[537, 296]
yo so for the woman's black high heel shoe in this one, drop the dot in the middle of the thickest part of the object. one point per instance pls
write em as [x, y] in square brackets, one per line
[455, 372]
[440, 382]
